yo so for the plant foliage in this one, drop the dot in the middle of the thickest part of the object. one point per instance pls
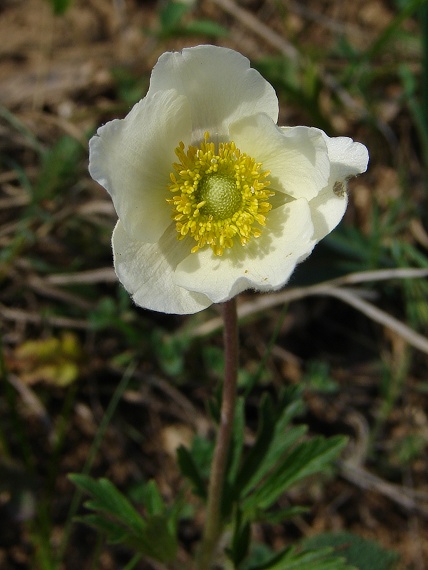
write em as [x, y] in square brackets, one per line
[153, 535]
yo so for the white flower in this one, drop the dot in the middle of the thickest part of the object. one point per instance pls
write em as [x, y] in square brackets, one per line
[214, 198]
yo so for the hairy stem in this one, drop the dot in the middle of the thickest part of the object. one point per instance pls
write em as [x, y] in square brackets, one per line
[213, 522]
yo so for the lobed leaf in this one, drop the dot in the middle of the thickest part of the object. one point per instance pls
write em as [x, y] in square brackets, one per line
[305, 459]
[360, 552]
[271, 442]
[291, 559]
[121, 523]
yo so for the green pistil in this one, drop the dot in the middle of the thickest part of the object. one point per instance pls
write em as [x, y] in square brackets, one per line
[221, 196]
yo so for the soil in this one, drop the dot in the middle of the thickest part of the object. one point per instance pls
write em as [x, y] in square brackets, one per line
[64, 75]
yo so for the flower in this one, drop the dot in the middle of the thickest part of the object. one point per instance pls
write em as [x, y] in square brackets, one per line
[213, 198]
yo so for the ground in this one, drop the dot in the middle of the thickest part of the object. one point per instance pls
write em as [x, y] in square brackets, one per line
[71, 336]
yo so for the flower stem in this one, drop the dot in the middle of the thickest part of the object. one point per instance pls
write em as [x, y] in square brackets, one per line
[213, 521]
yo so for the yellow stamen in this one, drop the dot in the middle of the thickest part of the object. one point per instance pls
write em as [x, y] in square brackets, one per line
[221, 195]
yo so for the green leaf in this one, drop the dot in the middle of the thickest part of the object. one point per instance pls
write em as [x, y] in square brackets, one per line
[291, 559]
[153, 500]
[318, 378]
[115, 532]
[271, 442]
[416, 107]
[279, 516]
[58, 168]
[107, 499]
[190, 470]
[171, 23]
[300, 84]
[205, 28]
[274, 457]
[114, 515]
[160, 543]
[255, 458]
[170, 351]
[389, 33]
[240, 541]
[305, 459]
[360, 552]
[171, 15]
[60, 6]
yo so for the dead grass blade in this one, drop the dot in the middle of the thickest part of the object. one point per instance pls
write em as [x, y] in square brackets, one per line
[333, 288]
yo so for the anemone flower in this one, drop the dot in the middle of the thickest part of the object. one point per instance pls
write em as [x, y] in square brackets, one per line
[213, 198]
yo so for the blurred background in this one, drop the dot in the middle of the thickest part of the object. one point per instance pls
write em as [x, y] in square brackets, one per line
[90, 383]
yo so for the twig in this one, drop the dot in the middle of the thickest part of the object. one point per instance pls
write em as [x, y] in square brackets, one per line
[287, 49]
[403, 496]
[47, 290]
[409, 335]
[330, 288]
[21, 316]
[255, 25]
[379, 275]
[14, 202]
[30, 398]
[326, 22]
[102, 275]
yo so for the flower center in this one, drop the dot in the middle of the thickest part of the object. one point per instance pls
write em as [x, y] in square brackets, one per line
[221, 195]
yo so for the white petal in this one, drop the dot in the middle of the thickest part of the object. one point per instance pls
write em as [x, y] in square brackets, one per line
[296, 157]
[265, 264]
[327, 209]
[347, 158]
[219, 84]
[132, 158]
[146, 272]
